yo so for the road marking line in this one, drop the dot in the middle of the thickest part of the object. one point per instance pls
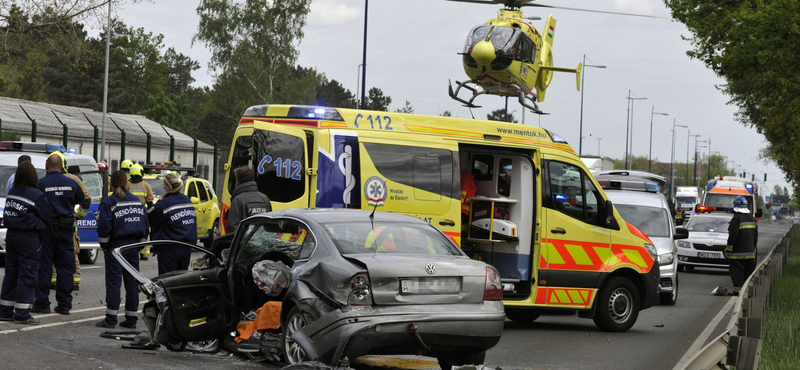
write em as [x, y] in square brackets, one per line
[50, 325]
[698, 343]
[71, 311]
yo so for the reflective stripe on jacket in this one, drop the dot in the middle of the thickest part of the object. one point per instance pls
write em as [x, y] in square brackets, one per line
[742, 237]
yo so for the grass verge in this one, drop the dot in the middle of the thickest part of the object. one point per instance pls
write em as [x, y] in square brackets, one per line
[781, 332]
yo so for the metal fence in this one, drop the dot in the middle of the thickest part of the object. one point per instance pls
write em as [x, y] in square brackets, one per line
[740, 344]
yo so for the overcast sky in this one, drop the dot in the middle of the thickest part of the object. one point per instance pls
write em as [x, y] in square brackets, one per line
[412, 53]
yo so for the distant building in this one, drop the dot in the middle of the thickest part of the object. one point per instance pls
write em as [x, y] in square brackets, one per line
[81, 123]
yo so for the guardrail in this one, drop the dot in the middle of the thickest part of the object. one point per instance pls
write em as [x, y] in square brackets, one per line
[740, 344]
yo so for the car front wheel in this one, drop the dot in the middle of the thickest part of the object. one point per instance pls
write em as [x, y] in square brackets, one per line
[617, 305]
[88, 256]
[670, 298]
[296, 320]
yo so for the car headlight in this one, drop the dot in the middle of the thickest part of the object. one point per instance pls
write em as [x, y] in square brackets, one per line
[651, 249]
[666, 258]
[684, 244]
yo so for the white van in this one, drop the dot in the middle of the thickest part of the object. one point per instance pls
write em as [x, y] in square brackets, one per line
[687, 197]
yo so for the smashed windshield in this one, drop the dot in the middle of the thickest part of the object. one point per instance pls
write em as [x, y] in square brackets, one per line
[389, 237]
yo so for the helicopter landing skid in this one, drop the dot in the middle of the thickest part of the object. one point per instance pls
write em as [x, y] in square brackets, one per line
[465, 85]
[475, 93]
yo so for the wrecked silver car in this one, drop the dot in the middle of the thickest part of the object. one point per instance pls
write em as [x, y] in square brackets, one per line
[360, 283]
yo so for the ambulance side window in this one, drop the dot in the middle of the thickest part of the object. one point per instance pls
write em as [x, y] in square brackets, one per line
[279, 165]
[483, 167]
[428, 170]
[572, 192]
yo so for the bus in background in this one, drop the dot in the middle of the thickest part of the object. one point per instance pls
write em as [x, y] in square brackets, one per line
[688, 197]
[722, 190]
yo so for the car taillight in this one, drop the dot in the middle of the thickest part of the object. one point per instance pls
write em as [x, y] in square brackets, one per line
[706, 208]
[493, 290]
[360, 294]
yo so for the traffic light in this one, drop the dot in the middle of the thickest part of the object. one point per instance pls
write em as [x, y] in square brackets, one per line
[767, 204]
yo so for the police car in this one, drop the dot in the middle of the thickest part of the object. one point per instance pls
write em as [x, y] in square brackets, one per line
[83, 166]
[708, 237]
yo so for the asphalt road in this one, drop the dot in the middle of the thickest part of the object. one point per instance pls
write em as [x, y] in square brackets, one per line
[659, 340]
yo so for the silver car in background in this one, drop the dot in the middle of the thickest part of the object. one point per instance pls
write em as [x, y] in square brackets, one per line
[361, 283]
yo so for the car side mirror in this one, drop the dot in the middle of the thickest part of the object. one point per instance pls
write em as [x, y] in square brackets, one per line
[609, 213]
[759, 213]
[680, 233]
[195, 200]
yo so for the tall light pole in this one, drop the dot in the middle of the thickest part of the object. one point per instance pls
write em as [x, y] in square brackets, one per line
[708, 170]
[687, 154]
[598, 145]
[650, 156]
[672, 158]
[364, 59]
[629, 127]
[694, 178]
[105, 89]
[583, 87]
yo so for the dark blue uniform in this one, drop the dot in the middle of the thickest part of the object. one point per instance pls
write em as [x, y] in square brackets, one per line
[26, 215]
[58, 249]
[173, 218]
[121, 222]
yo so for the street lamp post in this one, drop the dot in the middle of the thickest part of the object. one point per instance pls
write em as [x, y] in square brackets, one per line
[687, 154]
[672, 158]
[598, 145]
[583, 87]
[364, 59]
[629, 128]
[694, 178]
[650, 156]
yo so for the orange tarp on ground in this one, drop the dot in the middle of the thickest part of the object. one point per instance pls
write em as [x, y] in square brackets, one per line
[267, 317]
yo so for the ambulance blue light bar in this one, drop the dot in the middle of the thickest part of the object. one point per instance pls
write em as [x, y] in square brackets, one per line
[749, 187]
[24, 146]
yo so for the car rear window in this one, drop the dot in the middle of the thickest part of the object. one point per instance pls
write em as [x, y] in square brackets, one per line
[389, 237]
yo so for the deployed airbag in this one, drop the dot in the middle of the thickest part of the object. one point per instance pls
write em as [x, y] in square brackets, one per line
[271, 276]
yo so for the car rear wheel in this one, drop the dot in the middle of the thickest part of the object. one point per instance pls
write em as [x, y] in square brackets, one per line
[204, 346]
[617, 306]
[296, 320]
[670, 298]
[88, 256]
[522, 315]
[461, 356]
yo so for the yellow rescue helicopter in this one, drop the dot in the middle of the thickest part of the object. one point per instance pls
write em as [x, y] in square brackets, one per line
[508, 57]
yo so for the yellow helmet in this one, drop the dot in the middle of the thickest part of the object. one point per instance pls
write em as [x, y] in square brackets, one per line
[136, 170]
[126, 164]
[63, 158]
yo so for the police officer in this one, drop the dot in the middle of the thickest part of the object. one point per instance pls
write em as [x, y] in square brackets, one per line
[173, 218]
[680, 214]
[742, 242]
[27, 213]
[79, 215]
[63, 194]
[121, 220]
[142, 190]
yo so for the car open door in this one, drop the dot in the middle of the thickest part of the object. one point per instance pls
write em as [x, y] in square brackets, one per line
[281, 164]
[185, 306]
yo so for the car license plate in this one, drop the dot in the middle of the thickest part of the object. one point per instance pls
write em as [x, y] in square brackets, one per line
[437, 285]
[709, 255]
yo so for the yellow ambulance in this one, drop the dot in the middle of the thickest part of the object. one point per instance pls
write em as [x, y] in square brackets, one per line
[514, 196]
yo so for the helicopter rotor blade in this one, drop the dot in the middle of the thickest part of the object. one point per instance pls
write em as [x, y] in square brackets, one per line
[592, 11]
[487, 2]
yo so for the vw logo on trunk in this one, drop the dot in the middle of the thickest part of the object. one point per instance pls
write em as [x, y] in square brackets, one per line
[430, 269]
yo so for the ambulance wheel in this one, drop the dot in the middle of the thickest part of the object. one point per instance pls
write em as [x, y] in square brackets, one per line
[88, 256]
[461, 356]
[617, 306]
[522, 315]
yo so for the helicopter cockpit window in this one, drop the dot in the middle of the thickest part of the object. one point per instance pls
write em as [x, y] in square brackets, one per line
[476, 35]
[505, 40]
